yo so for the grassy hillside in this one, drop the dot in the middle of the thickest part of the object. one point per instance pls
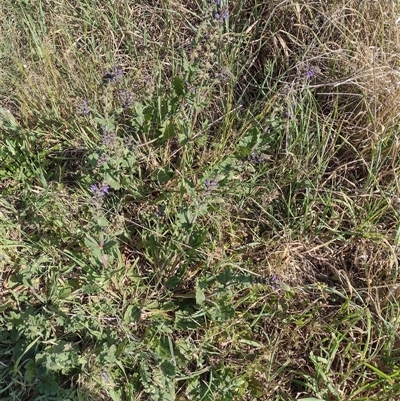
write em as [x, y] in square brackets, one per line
[199, 200]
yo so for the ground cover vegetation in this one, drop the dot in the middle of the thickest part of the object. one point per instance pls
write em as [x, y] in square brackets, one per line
[199, 200]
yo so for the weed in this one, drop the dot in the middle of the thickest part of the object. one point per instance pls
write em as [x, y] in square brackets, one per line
[199, 201]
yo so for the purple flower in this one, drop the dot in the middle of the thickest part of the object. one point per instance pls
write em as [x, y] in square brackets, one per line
[84, 108]
[103, 159]
[106, 376]
[190, 87]
[125, 97]
[310, 74]
[274, 281]
[256, 158]
[128, 142]
[147, 78]
[160, 212]
[288, 114]
[312, 71]
[99, 190]
[222, 15]
[211, 184]
[108, 137]
[113, 75]
[223, 74]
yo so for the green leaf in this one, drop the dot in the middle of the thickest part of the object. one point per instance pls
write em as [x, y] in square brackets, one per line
[178, 85]
[250, 140]
[48, 385]
[222, 311]
[200, 297]
[310, 399]
[6, 305]
[162, 174]
[168, 368]
[250, 342]
[102, 222]
[64, 291]
[197, 237]
[172, 282]
[110, 244]
[112, 181]
[167, 130]
[139, 118]
[114, 395]
[183, 321]
[132, 314]
[225, 277]
[30, 373]
[92, 244]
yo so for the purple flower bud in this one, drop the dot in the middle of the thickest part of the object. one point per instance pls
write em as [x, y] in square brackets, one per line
[83, 108]
[256, 158]
[222, 15]
[108, 137]
[125, 97]
[99, 190]
[147, 78]
[105, 189]
[103, 159]
[106, 376]
[274, 281]
[211, 184]
[113, 75]
[190, 87]
[310, 73]
[288, 114]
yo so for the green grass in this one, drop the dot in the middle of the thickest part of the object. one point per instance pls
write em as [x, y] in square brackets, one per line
[199, 208]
